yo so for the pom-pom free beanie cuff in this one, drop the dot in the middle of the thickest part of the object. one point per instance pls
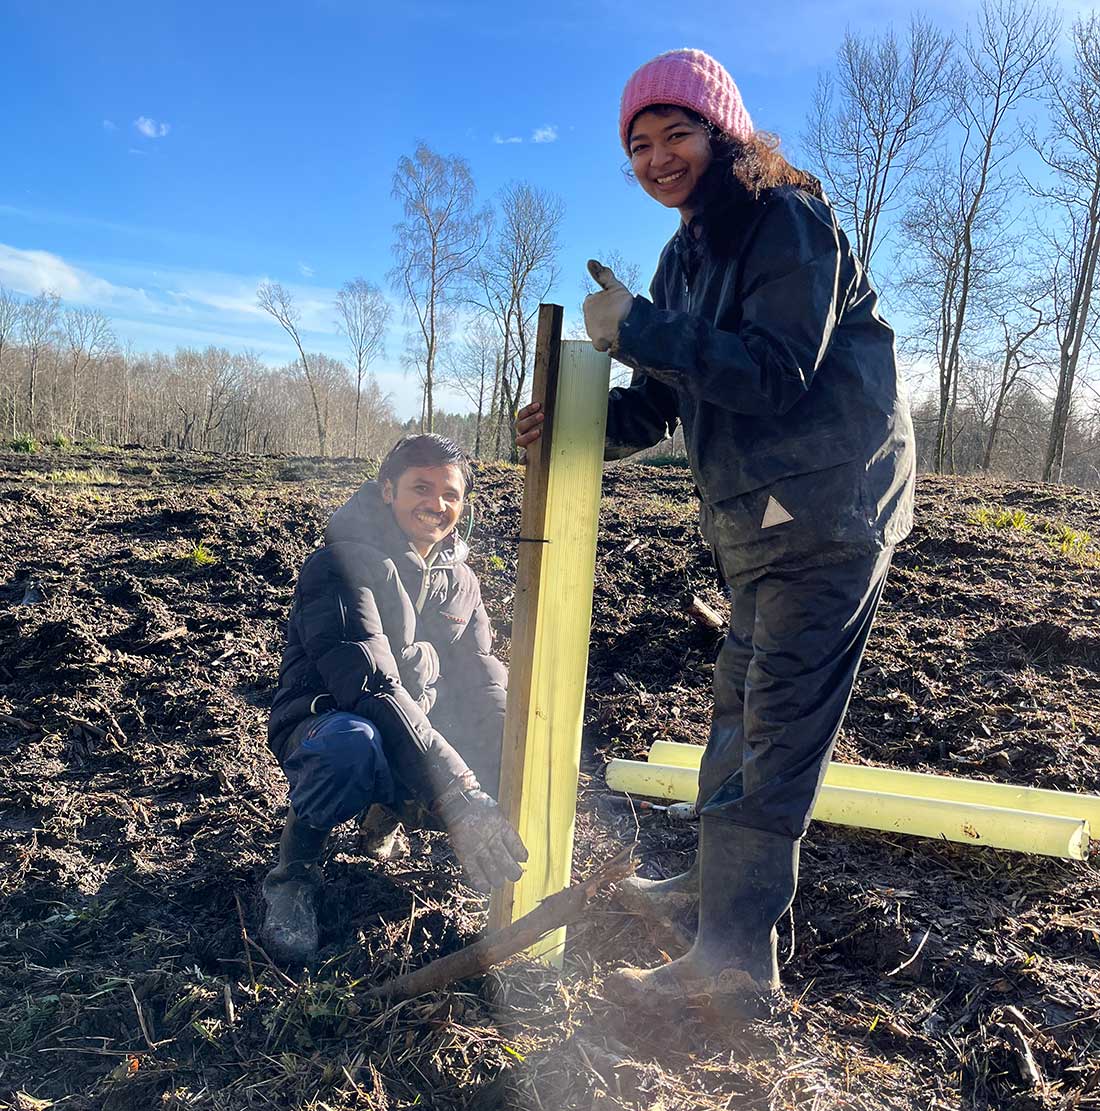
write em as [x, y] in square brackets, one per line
[688, 79]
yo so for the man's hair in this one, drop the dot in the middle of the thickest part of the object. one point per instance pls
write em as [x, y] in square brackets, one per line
[428, 450]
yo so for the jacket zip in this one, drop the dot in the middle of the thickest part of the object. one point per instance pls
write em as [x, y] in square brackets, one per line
[425, 580]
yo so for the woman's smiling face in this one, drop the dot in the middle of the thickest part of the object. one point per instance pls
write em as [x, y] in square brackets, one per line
[669, 153]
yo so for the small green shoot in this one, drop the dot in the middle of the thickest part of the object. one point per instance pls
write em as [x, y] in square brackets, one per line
[1071, 542]
[199, 555]
[1015, 519]
[26, 444]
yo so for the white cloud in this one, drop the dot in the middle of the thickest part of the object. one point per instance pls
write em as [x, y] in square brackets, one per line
[504, 142]
[238, 302]
[110, 125]
[134, 150]
[31, 272]
[306, 270]
[151, 129]
[547, 134]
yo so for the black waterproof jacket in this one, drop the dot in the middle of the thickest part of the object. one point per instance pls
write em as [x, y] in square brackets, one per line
[377, 631]
[774, 358]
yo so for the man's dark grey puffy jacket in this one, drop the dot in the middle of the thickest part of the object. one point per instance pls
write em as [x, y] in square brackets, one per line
[774, 358]
[376, 631]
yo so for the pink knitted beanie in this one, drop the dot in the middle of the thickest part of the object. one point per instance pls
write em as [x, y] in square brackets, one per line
[688, 79]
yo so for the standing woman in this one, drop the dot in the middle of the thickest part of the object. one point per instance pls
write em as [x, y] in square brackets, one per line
[763, 339]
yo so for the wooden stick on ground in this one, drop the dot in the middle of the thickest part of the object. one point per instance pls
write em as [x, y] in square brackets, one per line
[705, 615]
[560, 909]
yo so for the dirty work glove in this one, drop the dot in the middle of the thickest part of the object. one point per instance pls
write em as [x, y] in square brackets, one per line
[606, 309]
[487, 846]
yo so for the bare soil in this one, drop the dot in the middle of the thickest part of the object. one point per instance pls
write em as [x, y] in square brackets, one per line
[139, 809]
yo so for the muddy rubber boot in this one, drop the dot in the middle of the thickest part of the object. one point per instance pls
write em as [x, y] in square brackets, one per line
[290, 891]
[672, 903]
[747, 881]
[382, 835]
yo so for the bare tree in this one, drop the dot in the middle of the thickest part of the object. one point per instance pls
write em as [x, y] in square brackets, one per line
[88, 337]
[872, 123]
[378, 417]
[1017, 332]
[1072, 151]
[38, 322]
[331, 381]
[960, 202]
[473, 369]
[364, 313]
[516, 274]
[10, 307]
[438, 241]
[279, 304]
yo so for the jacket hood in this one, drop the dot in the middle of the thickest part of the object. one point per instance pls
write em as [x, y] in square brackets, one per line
[366, 519]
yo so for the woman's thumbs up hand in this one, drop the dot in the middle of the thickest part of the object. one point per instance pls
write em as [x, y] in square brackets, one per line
[607, 308]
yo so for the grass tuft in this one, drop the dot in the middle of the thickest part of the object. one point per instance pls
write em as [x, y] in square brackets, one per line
[1015, 519]
[1075, 545]
[90, 476]
[199, 555]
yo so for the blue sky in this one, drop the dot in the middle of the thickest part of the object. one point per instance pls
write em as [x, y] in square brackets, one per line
[161, 159]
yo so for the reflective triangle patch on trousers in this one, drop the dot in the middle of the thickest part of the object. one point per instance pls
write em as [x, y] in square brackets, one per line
[774, 514]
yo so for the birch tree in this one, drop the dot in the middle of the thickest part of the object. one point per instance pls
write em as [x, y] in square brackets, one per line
[363, 313]
[278, 303]
[435, 245]
[517, 272]
[473, 369]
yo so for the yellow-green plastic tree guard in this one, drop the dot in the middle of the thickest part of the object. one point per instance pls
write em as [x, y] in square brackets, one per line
[922, 785]
[559, 668]
[950, 820]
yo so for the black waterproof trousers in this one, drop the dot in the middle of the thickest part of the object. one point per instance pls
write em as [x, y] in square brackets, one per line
[782, 684]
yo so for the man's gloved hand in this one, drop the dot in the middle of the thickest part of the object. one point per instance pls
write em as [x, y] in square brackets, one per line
[488, 848]
[606, 309]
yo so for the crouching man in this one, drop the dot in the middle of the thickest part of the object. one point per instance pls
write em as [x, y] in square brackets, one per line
[388, 689]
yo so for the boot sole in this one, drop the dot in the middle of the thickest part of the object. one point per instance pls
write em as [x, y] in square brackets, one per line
[745, 1003]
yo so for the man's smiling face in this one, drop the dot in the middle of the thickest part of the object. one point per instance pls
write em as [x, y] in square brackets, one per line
[426, 502]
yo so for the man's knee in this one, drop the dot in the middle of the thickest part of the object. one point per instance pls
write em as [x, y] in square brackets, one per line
[338, 770]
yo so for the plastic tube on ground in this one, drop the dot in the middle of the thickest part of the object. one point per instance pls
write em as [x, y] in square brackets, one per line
[922, 785]
[950, 820]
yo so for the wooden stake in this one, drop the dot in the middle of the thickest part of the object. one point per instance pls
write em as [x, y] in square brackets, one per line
[560, 909]
[532, 531]
[552, 620]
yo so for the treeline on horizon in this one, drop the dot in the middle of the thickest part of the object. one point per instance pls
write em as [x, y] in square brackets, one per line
[965, 169]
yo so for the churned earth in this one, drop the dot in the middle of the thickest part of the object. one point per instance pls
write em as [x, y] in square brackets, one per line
[142, 597]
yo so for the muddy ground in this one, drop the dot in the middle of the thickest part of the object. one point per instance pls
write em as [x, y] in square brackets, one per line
[142, 597]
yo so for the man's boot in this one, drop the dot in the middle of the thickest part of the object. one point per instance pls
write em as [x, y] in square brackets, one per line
[290, 891]
[673, 903]
[747, 881]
